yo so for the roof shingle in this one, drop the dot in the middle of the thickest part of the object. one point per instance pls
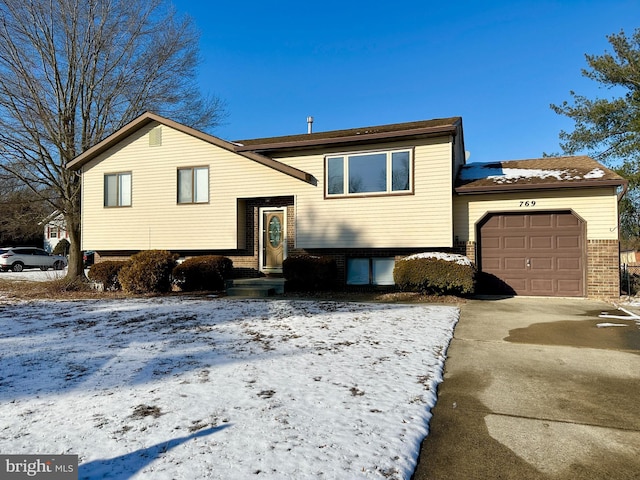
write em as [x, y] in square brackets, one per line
[549, 172]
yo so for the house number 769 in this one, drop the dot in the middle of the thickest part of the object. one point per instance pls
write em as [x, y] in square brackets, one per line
[527, 203]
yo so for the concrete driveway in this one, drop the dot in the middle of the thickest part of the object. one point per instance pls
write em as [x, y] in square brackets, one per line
[533, 389]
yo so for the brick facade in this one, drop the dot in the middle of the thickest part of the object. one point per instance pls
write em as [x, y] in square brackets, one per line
[603, 269]
[468, 249]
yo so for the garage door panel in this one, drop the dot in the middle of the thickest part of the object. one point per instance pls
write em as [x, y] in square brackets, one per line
[538, 253]
[544, 242]
[568, 220]
[491, 242]
[541, 286]
[492, 264]
[570, 287]
[513, 222]
[568, 241]
[514, 263]
[569, 264]
[539, 221]
[519, 285]
[518, 242]
[493, 222]
[541, 263]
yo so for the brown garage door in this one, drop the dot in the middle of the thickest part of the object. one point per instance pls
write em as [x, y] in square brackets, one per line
[534, 254]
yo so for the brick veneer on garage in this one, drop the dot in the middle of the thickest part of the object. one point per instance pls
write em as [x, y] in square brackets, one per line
[603, 269]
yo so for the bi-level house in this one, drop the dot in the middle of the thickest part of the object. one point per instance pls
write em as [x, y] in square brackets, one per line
[365, 196]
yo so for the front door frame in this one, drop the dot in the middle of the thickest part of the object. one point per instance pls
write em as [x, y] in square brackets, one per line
[263, 211]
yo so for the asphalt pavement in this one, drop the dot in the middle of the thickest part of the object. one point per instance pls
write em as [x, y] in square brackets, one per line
[537, 388]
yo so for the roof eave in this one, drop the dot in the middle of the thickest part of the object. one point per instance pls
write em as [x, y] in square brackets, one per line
[149, 117]
[364, 138]
[471, 190]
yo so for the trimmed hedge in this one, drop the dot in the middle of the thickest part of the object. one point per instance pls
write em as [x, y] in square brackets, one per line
[309, 273]
[106, 273]
[434, 276]
[148, 272]
[202, 273]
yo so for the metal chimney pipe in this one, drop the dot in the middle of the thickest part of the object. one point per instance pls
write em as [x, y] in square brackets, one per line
[309, 124]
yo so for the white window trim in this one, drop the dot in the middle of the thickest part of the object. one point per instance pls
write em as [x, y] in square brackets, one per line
[345, 173]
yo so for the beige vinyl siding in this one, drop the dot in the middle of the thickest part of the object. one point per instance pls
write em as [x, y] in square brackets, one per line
[598, 207]
[459, 154]
[421, 219]
[155, 220]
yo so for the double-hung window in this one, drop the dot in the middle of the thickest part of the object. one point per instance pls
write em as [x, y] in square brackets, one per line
[366, 173]
[117, 189]
[193, 185]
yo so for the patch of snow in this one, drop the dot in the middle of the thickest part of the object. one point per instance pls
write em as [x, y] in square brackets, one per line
[183, 388]
[595, 173]
[604, 325]
[449, 257]
[509, 175]
[33, 275]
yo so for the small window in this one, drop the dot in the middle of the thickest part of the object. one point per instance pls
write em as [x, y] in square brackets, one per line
[382, 271]
[370, 271]
[193, 185]
[369, 173]
[117, 190]
[357, 271]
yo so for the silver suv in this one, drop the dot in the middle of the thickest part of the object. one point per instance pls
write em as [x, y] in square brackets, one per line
[19, 258]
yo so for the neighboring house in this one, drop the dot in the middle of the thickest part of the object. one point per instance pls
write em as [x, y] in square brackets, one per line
[630, 257]
[55, 229]
[364, 196]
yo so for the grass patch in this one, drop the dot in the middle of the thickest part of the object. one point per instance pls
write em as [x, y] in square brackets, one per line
[60, 289]
[81, 289]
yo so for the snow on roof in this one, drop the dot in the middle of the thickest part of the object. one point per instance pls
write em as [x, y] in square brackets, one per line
[508, 175]
[449, 257]
[548, 171]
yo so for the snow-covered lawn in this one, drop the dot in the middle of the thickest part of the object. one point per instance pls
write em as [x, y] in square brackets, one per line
[33, 275]
[198, 388]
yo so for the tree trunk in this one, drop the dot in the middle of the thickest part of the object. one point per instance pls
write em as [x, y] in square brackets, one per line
[76, 263]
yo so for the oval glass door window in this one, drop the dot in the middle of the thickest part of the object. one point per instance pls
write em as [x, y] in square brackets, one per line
[275, 231]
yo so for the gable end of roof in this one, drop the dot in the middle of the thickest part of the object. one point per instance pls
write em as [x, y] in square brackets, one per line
[148, 117]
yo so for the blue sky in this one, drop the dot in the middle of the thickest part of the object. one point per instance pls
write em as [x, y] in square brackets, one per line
[496, 64]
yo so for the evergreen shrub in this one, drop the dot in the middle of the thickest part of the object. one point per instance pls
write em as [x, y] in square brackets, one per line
[202, 273]
[309, 273]
[434, 276]
[148, 271]
[106, 273]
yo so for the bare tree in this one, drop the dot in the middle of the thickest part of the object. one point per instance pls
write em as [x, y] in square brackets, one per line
[23, 214]
[74, 71]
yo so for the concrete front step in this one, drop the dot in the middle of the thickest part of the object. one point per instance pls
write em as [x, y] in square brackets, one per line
[255, 287]
[250, 291]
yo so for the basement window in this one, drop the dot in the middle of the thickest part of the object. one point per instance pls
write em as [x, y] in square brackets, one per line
[370, 271]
